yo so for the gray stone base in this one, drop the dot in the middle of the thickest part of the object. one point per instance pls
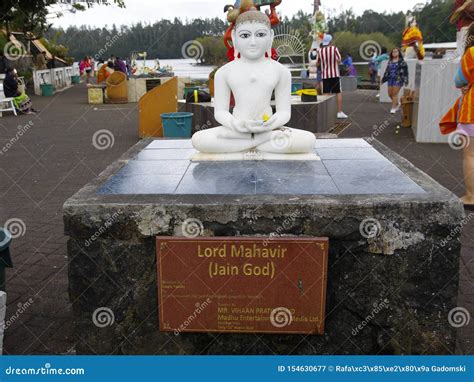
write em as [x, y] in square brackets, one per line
[389, 290]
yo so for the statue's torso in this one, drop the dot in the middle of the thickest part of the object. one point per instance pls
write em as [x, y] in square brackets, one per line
[252, 86]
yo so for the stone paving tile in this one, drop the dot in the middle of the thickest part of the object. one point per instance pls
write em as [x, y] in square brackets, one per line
[56, 157]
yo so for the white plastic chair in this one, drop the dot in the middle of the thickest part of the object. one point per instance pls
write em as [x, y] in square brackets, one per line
[6, 104]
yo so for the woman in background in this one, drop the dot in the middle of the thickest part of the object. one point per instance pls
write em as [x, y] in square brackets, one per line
[11, 90]
[85, 67]
[397, 76]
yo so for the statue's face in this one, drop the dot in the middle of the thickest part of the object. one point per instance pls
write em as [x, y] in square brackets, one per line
[253, 40]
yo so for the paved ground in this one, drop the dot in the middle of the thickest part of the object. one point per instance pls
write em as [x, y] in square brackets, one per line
[54, 157]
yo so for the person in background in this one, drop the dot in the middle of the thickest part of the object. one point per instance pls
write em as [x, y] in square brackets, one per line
[460, 118]
[378, 62]
[313, 65]
[120, 66]
[3, 63]
[349, 65]
[93, 64]
[373, 72]
[41, 61]
[329, 58]
[87, 68]
[11, 90]
[397, 76]
[52, 63]
[129, 68]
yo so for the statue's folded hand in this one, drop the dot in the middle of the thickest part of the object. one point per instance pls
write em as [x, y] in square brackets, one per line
[239, 126]
[256, 127]
[273, 123]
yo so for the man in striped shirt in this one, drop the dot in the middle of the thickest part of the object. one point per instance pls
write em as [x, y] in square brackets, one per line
[329, 58]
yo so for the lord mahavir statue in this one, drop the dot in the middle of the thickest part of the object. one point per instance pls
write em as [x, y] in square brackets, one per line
[252, 78]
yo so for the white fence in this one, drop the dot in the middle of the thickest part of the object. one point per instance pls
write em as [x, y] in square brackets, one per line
[60, 78]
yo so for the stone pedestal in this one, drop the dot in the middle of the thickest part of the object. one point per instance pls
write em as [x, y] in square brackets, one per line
[317, 117]
[393, 236]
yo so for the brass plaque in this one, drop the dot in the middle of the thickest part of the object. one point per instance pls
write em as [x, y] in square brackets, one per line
[242, 285]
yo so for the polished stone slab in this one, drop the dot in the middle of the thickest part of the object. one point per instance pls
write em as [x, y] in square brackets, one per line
[347, 167]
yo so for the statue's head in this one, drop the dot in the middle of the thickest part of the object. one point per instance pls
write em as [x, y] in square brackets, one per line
[253, 35]
[411, 20]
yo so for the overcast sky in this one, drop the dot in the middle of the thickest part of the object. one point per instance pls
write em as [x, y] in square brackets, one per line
[153, 10]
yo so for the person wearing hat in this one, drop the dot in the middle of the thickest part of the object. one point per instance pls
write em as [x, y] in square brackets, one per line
[329, 58]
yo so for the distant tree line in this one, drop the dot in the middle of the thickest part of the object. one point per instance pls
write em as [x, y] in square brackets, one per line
[165, 38]
[433, 20]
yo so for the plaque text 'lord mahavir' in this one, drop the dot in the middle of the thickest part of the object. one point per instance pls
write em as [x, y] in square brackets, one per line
[252, 251]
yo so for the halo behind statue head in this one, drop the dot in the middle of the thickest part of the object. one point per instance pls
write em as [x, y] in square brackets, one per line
[253, 16]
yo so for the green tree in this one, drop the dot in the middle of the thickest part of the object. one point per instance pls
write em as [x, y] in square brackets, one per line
[32, 15]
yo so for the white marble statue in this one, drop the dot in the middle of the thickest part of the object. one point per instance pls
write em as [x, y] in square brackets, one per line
[252, 78]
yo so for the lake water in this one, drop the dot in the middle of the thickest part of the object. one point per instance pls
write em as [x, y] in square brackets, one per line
[184, 68]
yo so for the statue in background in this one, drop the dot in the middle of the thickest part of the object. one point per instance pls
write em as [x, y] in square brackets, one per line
[412, 40]
[320, 27]
[251, 78]
[462, 16]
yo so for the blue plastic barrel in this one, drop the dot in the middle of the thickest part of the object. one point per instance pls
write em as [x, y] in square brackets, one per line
[296, 86]
[177, 125]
